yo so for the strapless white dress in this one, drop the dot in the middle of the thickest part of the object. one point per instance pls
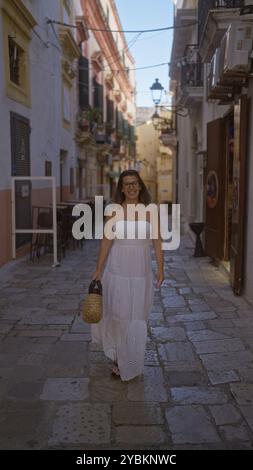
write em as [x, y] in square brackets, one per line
[127, 300]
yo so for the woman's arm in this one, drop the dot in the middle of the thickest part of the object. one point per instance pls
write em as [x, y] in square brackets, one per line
[103, 253]
[105, 247]
[157, 243]
[160, 262]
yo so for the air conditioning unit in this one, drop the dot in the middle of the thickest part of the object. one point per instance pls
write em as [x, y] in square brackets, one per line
[237, 45]
[215, 89]
[214, 71]
[232, 78]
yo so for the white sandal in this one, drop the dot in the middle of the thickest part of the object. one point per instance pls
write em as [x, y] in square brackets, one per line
[115, 370]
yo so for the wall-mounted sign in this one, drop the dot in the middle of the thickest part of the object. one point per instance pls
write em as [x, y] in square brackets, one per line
[212, 190]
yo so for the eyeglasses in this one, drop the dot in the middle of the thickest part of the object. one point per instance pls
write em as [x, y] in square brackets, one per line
[133, 184]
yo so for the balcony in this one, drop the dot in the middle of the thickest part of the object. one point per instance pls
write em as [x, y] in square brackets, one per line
[168, 138]
[191, 92]
[182, 36]
[214, 18]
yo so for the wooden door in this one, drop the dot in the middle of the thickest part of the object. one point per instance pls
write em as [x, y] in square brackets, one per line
[239, 194]
[20, 156]
[215, 189]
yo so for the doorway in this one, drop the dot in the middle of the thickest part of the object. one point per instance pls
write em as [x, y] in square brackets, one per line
[225, 177]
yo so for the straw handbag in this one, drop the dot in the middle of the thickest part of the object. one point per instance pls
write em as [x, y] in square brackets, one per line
[93, 304]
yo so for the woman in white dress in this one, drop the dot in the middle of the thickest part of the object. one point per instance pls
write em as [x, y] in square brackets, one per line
[127, 284]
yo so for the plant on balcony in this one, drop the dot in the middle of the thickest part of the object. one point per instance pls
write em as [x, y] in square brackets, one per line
[83, 120]
[119, 134]
[83, 137]
[110, 127]
[95, 115]
[90, 114]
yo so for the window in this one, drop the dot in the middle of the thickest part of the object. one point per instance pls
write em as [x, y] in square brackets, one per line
[48, 168]
[66, 103]
[84, 82]
[108, 14]
[15, 59]
[17, 24]
[71, 182]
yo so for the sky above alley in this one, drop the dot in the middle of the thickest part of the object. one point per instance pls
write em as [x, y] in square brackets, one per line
[149, 48]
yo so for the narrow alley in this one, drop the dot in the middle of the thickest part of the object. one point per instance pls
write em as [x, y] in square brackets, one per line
[197, 388]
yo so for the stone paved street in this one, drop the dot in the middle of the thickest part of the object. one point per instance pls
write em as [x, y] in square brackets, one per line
[56, 388]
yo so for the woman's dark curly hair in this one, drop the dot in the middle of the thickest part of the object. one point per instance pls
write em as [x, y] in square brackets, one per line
[144, 196]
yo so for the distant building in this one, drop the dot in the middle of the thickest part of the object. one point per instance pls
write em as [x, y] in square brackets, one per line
[143, 114]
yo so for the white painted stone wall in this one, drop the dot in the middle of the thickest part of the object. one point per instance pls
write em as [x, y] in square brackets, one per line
[47, 134]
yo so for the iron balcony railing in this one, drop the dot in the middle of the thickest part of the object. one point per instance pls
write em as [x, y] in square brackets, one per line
[192, 75]
[205, 5]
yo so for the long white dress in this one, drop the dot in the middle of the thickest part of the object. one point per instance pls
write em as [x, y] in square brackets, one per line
[127, 300]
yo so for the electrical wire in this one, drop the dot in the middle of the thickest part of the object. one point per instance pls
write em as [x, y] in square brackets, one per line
[40, 38]
[125, 50]
[126, 69]
[139, 68]
[142, 31]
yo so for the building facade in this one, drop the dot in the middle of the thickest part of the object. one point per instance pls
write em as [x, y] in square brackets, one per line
[38, 99]
[155, 154]
[211, 77]
[106, 98]
[147, 153]
[67, 106]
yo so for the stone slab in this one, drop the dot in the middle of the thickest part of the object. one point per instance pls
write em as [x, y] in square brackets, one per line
[137, 414]
[148, 388]
[62, 389]
[227, 361]
[223, 377]
[197, 395]
[153, 435]
[191, 425]
[81, 424]
[243, 393]
[220, 345]
[172, 352]
[164, 334]
[225, 414]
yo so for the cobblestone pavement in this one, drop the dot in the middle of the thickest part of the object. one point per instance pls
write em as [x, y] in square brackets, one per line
[56, 390]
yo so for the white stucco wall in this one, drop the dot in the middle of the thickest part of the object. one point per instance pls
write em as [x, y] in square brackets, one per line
[47, 134]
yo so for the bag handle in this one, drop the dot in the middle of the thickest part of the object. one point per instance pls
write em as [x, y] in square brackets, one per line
[95, 287]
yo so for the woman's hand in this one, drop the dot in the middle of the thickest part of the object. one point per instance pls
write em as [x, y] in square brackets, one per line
[96, 276]
[160, 279]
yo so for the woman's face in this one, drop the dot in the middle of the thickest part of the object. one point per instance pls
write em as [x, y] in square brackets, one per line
[131, 188]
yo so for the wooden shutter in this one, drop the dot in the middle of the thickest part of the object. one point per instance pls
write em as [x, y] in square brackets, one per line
[109, 110]
[20, 159]
[84, 83]
[98, 95]
[239, 194]
[215, 189]
[20, 145]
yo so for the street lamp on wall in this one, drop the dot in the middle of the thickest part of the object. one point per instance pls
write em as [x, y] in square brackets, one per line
[156, 91]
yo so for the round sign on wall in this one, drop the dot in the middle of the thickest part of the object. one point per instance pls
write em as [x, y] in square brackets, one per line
[212, 190]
